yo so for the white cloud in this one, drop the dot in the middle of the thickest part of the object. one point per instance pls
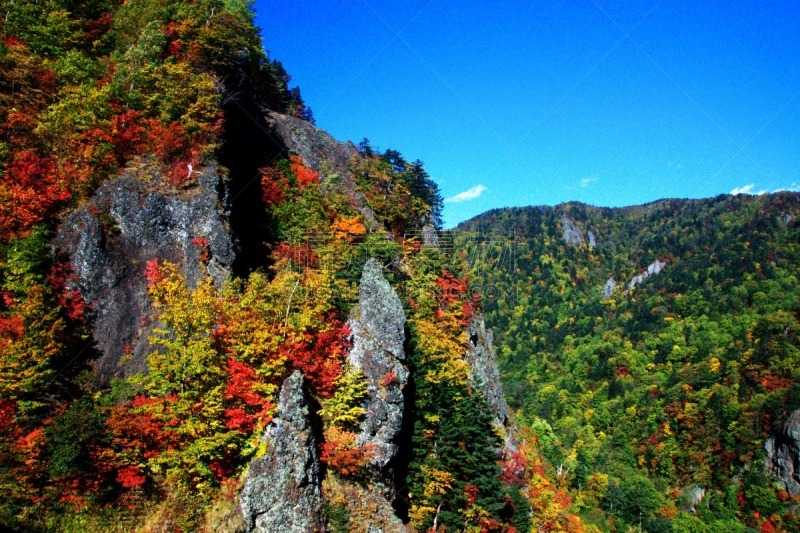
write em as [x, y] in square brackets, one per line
[465, 196]
[585, 182]
[746, 189]
[794, 187]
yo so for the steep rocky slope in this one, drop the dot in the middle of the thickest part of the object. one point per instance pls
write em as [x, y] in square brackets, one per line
[116, 245]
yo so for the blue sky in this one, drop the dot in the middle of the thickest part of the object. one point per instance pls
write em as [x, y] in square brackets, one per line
[526, 103]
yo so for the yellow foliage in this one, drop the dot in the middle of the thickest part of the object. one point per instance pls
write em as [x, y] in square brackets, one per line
[344, 409]
[436, 485]
[446, 351]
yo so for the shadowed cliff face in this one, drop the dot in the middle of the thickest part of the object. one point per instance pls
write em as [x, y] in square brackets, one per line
[250, 144]
[129, 221]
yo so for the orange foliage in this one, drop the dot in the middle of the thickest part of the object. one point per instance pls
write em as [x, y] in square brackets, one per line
[252, 406]
[202, 248]
[305, 176]
[348, 229]
[772, 383]
[550, 504]
[273, 187]
[301, 255]
[31, 189]
[130, 477]
[341, 453]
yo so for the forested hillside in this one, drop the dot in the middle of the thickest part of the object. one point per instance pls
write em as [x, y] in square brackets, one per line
[652, 350]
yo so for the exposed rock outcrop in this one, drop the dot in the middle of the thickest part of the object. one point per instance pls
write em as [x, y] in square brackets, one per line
[608, 288]
[783, 454]
[282, 491]
[486, 375]
[572, 233]
[430, 236]
[652, 269]
[378, 337]
[316, 147]
[321, 152]
[127, 222]
[592, 238]
[694, 496]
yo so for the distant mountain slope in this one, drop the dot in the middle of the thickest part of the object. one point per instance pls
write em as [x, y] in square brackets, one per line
[653, 349]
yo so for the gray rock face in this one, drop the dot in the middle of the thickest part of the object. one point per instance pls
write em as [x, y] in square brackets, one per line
[378, 337]
[572, 233]
[486, 375]
[652, 269]
[315, 146]
[783, 454]
[696, 496]
[126, 223]
[282, 490]
[608, 288]
[430, 237]
[321, 152]
[592, 238]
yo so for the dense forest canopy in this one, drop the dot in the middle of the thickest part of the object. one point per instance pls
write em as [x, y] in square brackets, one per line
[645, 389]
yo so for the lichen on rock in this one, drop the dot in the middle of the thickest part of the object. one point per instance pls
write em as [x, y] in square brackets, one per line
[378, 337]
[128, 221]
[282, 491]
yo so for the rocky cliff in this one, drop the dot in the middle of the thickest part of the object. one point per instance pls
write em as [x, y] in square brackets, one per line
[127, 222]
[321, 152]
[486, 376]
[138, 217]
[783, 454]
[652, 269]
[572, 233]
